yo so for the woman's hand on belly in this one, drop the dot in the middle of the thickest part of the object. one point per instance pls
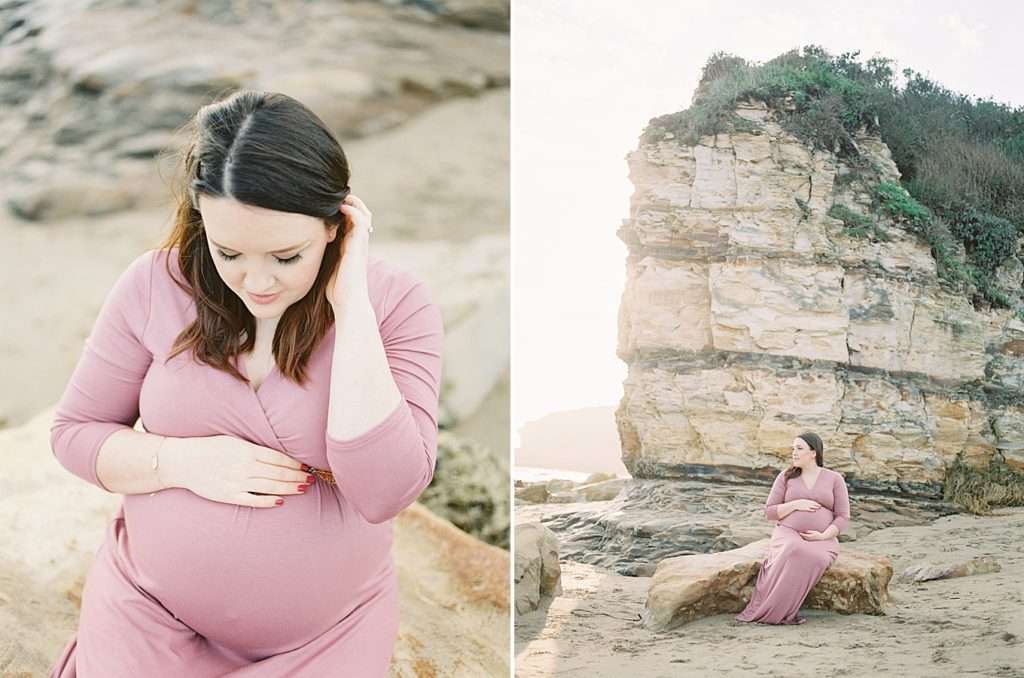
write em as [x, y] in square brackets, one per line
[805, 505]
[808, 521]
[231, 470]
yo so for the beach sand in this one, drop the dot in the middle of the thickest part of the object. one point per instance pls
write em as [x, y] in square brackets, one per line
[968, 626]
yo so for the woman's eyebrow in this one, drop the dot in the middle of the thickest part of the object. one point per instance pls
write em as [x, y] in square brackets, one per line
[286, 249]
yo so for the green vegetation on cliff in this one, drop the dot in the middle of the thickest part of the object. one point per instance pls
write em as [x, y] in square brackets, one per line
[961, 159]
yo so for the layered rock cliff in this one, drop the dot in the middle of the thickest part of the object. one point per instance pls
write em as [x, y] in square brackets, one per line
[751, 315]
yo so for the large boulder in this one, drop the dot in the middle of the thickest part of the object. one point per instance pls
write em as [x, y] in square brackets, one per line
[685, 588]
[538, 572]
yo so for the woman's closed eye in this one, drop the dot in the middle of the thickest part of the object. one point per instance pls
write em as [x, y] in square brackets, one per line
[290, 260]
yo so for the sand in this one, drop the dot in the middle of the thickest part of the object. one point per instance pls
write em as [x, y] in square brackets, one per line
[968, 626]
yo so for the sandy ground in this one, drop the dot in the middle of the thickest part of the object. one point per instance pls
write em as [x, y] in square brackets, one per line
[969, 626]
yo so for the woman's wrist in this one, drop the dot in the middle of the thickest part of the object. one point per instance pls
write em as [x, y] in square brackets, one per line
[165, 463]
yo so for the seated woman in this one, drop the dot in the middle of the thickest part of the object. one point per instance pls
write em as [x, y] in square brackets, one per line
[812, 507]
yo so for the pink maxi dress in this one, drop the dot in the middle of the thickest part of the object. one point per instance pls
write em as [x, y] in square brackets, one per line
[186, 586]
[794, 565]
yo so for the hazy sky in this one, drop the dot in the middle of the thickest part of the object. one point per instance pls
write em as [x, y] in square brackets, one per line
[587, 75]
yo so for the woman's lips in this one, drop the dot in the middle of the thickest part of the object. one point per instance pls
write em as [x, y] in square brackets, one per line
[264, 298]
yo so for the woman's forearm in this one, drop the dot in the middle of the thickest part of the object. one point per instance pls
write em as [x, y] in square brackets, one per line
[363, 391]
[782, 510]
[125, 462]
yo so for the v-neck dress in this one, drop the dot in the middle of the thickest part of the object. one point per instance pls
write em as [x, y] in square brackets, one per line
[186, 586]
[793, 565]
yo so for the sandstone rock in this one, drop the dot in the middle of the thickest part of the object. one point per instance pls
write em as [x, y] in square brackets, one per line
[928, 572]
[600, 491]
[450, 580]
[689, 587]
[559, 485]
[490, 14]
[535, 493]
[750, 315]
[65, 195]
[538, 573]
[96, 77]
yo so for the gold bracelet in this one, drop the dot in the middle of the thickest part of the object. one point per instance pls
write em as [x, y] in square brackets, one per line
[155, 464]
[325, 476]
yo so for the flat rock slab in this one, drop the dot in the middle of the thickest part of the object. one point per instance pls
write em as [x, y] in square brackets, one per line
[651, 520]
[929, 572]
[690, 587]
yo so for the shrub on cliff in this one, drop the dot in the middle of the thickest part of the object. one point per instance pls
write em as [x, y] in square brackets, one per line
[961, 159]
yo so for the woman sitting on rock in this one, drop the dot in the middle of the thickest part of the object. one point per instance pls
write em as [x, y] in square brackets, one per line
[811, 506]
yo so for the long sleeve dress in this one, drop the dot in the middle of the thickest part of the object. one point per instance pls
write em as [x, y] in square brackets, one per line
[186, 586]
[794, 565]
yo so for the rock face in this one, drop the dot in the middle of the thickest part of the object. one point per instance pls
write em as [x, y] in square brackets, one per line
[751, 315]
[538, 573]
[689, 587]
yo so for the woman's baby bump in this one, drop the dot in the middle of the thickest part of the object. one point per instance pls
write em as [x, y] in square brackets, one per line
[257, 579]
[809, 520]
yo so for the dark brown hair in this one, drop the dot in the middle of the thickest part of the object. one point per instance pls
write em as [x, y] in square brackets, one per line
[267, 150]
[814, 442]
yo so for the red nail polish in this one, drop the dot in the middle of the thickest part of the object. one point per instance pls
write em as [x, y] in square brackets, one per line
[310, 479]
[279, 502]
[302, 488]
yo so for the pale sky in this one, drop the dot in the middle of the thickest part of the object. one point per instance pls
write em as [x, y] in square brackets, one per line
[587, 75]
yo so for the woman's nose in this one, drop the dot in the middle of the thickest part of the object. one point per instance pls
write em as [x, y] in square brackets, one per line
[258, 282]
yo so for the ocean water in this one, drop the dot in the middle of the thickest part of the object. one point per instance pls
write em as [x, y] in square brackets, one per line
[533, 474]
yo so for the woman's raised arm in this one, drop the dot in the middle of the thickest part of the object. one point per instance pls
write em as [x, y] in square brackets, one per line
[385, 468]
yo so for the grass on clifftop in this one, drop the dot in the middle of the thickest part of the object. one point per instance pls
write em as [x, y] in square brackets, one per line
[978, 490]
[961, 159]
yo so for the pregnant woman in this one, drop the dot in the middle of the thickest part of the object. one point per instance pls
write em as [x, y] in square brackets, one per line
[288, 387]
[811, 506]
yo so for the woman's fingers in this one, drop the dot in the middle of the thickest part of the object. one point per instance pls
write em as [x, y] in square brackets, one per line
[269, 455]
[275, 486]
[355, 201]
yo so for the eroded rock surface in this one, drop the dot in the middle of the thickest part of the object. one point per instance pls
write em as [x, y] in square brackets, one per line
[689, 587]
[750, 315]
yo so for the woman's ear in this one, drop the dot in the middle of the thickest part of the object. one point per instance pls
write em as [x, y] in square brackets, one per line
[332, 234]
